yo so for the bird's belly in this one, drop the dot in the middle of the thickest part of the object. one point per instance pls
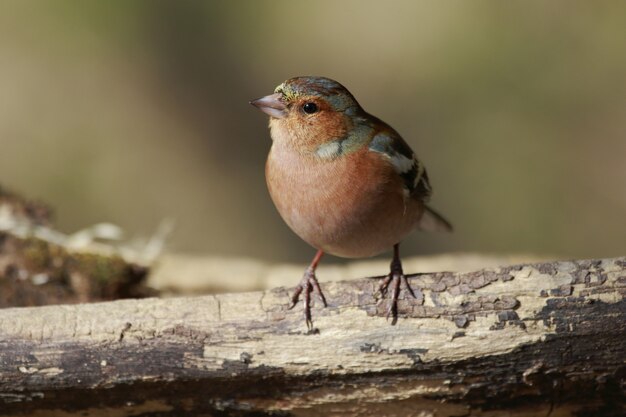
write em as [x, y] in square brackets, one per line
[341, 209]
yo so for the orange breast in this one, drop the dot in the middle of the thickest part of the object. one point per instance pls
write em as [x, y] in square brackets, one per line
[350, 206]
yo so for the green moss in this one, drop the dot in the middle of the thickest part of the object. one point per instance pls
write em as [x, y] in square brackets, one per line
[101, 269]
[104, 272]
[37, 254]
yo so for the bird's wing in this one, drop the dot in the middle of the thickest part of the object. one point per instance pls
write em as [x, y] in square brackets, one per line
[413, 173]
[392, 147]
[431, 221]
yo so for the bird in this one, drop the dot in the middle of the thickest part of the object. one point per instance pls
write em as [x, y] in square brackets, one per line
[343, 180]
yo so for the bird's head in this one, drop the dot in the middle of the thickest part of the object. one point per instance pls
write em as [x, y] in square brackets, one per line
[309, 111]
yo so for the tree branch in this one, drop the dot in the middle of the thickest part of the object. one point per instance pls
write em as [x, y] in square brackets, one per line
[529, 339]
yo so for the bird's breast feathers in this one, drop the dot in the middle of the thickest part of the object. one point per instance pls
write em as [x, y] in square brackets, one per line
[351, 204]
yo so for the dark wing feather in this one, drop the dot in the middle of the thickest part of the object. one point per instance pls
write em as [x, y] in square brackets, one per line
[405, 163]
[413, 173]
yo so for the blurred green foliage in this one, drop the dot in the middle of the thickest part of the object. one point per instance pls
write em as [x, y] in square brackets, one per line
[132, 112]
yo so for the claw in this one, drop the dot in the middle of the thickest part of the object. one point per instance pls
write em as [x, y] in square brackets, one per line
[308, 285]
[395, 278]
[382, 289]
[295, 297]
[319, 292]
[408, 286]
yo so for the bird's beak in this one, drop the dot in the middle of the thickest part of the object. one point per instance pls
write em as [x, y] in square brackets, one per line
[271, 105]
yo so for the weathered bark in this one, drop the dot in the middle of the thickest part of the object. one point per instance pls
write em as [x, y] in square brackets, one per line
[531, 340]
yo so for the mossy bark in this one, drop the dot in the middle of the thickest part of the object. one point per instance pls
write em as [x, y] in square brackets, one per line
[34, 272]
[37, 268]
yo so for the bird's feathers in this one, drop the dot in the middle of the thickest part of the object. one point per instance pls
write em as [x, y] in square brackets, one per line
[390, 145]
[343, 180]
[431, 221]
[357, 137]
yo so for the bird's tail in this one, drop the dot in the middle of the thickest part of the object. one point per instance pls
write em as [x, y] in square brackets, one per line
[431, 221]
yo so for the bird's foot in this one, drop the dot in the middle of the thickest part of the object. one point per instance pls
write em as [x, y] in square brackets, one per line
[308, 284]
[394, 279]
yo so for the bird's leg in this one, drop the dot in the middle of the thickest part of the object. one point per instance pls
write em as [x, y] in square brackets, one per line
[396, 275]
[308, 284]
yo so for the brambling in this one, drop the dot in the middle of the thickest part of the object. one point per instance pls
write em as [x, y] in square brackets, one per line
[343, 180]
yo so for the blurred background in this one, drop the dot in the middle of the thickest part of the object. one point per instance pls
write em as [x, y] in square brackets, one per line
[134, 112]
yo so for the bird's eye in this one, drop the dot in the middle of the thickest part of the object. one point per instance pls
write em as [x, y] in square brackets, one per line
[309, 108]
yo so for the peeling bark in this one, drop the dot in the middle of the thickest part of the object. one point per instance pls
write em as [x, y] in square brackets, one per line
[527, 340]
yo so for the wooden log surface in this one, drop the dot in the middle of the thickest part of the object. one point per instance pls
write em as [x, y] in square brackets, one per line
[535, 339]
